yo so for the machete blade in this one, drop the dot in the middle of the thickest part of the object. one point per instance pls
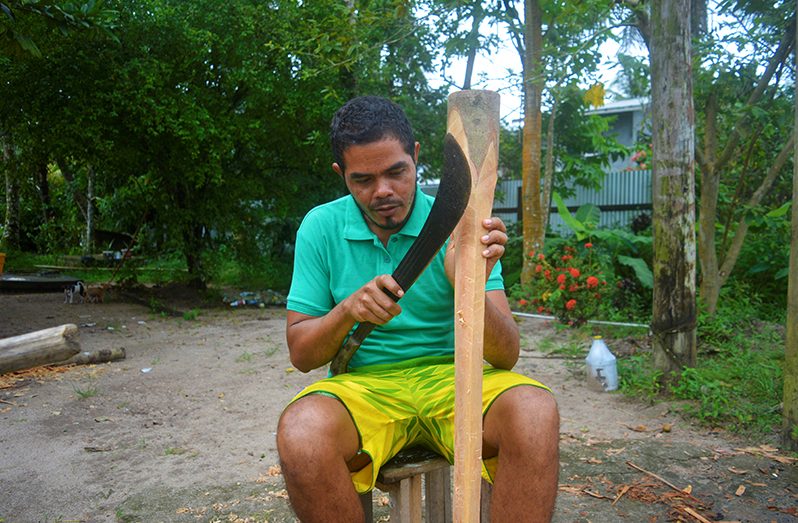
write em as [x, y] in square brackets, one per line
[447, 209]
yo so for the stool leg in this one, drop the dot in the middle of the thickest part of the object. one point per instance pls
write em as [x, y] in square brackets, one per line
[438, 491]
[368, 509]
[406, 500]
[484, 501]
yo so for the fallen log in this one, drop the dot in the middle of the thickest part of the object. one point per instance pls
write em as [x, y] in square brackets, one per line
[39, 348]
[97, 356]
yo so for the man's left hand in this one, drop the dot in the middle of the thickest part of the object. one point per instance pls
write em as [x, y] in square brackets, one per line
[493, 241]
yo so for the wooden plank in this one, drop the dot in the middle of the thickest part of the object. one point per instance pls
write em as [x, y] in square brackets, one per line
[97, 356]
[473, 120]
[39, 348]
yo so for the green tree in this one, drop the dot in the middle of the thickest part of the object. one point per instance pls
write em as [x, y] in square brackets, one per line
[790, 394]
[207, 128]
[744, 113]
[19, 20]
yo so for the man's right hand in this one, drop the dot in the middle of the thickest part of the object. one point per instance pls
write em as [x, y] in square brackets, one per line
[371, 304]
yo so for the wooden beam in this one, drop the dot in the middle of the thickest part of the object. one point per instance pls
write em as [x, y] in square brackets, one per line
[97, 356]
[39, 348]
[474, 122]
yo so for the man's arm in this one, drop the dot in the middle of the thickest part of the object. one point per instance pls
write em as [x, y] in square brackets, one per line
[502, 341]
[314, 340]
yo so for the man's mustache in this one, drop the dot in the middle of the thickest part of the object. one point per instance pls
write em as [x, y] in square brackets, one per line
[387, 202]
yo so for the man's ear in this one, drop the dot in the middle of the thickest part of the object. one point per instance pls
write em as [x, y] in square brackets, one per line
[415, 153]
[337, 169]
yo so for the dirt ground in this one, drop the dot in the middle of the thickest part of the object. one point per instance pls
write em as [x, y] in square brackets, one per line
[183, 429]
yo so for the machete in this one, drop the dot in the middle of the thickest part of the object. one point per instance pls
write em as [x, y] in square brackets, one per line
[447, 209]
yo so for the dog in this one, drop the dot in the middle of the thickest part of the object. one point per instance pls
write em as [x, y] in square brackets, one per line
[75, 293]
[95, 294]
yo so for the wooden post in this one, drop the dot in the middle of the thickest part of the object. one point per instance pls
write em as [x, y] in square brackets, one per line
[474, 123]
[97, 356]
[39, 348]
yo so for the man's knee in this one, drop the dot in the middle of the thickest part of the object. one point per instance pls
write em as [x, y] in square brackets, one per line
[315, 423]
[523, 416]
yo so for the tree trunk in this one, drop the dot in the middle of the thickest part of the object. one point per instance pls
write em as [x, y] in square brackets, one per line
[473, 42]
[530, 167]
[87, 241]
[11, 227]
[674, 309]
[790, 397]
[193, 247]
[39, 348]
[708, 203]
[548, 173]
[69, 176]
[43, 185]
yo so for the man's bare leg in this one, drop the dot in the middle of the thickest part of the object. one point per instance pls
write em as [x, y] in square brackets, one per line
[315, 439]
[523, 426]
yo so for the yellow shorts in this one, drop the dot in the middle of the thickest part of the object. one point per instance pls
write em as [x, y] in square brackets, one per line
[409, 404]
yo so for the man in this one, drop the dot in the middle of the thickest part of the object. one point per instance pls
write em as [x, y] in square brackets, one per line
[399, 392]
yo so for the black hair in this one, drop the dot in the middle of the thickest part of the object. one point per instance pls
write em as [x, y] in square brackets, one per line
[368, 119]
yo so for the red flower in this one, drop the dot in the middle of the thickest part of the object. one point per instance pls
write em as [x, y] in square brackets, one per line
[573, 288]
[541, 257]
[538, 267]
[561, 279]
[574, 272]
[588, 245]
[570, 304]
[541, 308]
[592, 281]
[531, 254]
[547, 274]
[522, 302]
[562, 287]
[567, 257]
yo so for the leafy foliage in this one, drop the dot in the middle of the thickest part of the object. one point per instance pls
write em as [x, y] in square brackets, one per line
[571, 286]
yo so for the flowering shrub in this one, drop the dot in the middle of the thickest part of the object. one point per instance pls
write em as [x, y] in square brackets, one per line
[570, 286]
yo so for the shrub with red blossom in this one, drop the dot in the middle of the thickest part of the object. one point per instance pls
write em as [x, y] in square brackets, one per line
[570, 287]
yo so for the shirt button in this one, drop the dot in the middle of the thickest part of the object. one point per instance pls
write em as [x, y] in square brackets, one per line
[386, 259]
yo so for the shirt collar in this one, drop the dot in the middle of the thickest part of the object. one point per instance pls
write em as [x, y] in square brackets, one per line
[356, 227]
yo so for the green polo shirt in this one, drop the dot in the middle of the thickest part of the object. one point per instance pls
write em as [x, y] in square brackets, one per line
[336, 254]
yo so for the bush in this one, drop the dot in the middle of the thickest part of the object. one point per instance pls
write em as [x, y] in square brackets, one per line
[570, 286]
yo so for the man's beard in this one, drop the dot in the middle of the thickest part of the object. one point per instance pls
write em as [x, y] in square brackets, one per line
[390, 223]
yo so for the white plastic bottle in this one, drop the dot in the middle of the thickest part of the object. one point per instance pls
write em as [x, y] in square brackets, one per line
[602, 372]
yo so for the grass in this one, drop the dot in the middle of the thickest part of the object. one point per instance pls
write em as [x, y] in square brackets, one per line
[736, 384]
[191, 315]
[88, 392]
[245, 357]
[570, 349]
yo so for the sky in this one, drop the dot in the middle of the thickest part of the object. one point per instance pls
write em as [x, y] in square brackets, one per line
[490, 72]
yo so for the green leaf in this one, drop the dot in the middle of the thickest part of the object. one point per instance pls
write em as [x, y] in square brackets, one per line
[589, 215]
[643, 273]
[780, 211]
[27, 44]
[575, 225]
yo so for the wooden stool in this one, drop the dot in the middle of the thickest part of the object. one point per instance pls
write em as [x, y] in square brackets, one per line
[401, 477]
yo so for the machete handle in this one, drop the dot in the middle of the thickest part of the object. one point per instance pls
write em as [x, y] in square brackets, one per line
[340, 361]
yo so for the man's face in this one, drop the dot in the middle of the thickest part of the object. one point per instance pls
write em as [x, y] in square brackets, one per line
[382, 178]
